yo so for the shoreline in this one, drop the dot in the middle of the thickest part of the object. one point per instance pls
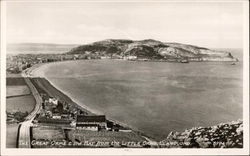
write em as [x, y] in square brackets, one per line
[30, 73]
[61, 94]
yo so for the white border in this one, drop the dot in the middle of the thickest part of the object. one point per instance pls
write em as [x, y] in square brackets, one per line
[3, 74]
[114, 151]
[246, 75]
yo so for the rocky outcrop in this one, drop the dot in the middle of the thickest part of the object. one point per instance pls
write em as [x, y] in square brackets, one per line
[152, 49]
[224, 135]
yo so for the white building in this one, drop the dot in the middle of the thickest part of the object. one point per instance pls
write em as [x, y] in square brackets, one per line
[93, 123]
[130, 57]
[56, 116]
[53, 100]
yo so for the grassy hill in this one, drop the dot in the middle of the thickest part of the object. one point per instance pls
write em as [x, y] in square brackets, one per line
[152, 49]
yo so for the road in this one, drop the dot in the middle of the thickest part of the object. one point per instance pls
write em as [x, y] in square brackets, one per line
[24, 140]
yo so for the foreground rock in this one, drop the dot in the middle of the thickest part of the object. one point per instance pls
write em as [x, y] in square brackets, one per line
[152, 50]
[224, 135]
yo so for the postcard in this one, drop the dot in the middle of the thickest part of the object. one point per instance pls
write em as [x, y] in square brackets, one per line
[124, 77]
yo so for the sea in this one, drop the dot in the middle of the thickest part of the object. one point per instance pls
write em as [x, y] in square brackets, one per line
[153, 97]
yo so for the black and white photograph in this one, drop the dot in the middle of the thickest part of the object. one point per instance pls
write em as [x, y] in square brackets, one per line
[124, 77]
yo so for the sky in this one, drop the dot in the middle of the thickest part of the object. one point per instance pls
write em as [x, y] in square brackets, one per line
[208, 24]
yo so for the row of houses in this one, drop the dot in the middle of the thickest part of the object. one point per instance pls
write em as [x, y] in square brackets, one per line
[83, 122]
[56, 112]
[98, 123]
[93, 123]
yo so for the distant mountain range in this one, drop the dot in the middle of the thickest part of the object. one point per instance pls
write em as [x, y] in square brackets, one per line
[38, 48]
[153, 49]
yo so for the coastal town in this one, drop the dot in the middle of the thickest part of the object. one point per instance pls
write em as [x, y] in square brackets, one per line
[18, 63]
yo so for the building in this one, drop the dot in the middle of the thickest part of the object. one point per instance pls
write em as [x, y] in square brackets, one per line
[93, 123]
[53, 100]
[56, 116]
[130, 57]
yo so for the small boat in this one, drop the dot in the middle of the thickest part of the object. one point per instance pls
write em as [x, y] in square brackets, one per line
[233, 63]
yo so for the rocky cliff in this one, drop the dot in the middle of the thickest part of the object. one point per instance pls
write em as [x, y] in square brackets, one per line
[224, 135]
[152, 49]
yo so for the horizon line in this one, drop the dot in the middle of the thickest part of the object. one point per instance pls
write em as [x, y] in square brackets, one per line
[79, 44]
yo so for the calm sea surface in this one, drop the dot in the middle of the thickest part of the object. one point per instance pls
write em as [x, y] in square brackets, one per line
[154, 97]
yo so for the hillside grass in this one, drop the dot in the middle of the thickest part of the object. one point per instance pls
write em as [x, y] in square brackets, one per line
[15, 81]
[21, 103]
[48, 133]
[104, 136]
[18, 98]
[17, 90]
[11, 135]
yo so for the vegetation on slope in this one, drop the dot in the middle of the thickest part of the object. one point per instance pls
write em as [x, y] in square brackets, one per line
[152, 49]
[224, 135]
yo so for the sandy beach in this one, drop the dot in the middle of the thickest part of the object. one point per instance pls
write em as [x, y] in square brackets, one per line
[36, 71]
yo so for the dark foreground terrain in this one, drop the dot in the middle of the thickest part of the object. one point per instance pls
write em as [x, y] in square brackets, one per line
[224, 135]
